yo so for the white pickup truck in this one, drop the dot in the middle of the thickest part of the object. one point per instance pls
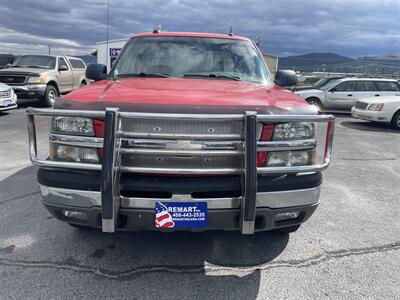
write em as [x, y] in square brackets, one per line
[44, 77]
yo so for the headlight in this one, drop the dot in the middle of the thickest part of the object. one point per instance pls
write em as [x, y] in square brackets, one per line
[375, 106]
[290, 158]
[293, 131]
[71, 153]
[35, 79]
[73, 125]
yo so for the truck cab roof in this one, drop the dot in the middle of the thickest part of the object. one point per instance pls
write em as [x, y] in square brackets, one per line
[192, 34]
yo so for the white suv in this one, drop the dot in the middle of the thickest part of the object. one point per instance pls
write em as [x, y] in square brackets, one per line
[8, 99]
[342, 94]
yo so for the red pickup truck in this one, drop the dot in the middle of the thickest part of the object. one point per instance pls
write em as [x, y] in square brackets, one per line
[188, 131]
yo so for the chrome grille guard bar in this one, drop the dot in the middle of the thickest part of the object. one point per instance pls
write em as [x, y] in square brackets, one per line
[111, 165]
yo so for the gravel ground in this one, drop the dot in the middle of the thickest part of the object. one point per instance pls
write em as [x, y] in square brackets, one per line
[350, 248]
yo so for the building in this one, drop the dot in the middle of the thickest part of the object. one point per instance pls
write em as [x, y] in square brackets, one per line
[107, 52]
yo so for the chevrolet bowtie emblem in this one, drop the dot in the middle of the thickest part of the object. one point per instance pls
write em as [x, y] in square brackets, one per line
[183, 145]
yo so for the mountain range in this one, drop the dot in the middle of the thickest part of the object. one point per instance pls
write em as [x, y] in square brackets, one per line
[332, 62]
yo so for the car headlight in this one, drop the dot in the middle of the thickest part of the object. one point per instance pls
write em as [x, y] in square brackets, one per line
[375, 106]
[73, 125]
[290, 158]
[293, 131]
[75, 154]
[35, 79]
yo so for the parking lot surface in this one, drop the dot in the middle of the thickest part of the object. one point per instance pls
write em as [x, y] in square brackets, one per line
[350, 248]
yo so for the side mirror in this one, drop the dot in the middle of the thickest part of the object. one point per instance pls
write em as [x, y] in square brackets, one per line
[332, 90]
[8, 65]
[62, 68]
[285, 78]
[96, 72]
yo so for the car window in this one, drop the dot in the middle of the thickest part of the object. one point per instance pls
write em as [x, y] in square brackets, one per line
[366, 86]
[341, 87]
[35, 61]
[77, 64]
[62, 62]
[387, 86]
[351, 86]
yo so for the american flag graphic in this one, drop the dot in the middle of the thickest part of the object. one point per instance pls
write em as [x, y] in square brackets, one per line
[163, 217]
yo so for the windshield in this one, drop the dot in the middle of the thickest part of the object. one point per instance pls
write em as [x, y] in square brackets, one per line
[320, 82]
[35, 61]
[191, 57]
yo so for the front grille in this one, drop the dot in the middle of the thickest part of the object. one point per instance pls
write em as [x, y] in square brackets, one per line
[361, 105]
[11, 79]
[194, 146]
[5, 94]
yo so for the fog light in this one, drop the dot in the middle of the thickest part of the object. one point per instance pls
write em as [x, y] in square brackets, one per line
[75, 215]
[287, 216]
[290, 158]
[71, 153]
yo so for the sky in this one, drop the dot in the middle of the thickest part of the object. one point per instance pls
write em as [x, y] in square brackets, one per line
[286, 27]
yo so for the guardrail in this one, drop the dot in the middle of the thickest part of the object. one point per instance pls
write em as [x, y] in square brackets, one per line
[111, 143]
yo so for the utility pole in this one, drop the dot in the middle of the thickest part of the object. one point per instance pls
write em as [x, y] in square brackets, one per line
[365, 61]
[49, 49]
[108, 21]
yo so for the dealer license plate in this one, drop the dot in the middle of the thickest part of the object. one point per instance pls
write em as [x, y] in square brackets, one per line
[6, 102]
[180, 214]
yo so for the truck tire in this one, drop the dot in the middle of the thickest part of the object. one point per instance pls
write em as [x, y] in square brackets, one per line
[50, 96]
[289, 229]
[396, 120]
[314, 101]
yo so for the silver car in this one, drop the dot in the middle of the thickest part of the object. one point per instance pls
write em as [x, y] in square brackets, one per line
[342, 94]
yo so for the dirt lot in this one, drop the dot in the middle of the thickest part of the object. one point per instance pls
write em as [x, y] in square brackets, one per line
[350, 248]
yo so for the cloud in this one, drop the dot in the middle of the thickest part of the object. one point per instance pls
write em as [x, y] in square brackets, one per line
[350, 27]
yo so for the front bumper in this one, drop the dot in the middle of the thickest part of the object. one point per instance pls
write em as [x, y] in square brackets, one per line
[136, 219]
[30, 91]
[369, 115]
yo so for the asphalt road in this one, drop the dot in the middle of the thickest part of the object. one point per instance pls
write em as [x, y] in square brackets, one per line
[350, 248]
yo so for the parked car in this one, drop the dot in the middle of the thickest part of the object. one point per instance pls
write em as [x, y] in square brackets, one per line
[6, 60]
[319, 84]
[382, 109]
[187, 132]
[8, 99]
[44, 77]
[342, 94]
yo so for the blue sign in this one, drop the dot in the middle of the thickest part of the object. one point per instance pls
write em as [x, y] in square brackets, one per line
[114, 52]
[180, 214]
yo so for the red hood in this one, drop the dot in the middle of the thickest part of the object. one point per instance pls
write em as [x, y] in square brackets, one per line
[184, 95]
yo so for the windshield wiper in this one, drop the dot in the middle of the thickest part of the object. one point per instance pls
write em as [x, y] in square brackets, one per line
[37, 67]
[213, 75]
[143, 74]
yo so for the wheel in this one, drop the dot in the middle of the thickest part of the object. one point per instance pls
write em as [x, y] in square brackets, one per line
[396, 120]
[289, 229]
[50, 96]
[314, 101]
